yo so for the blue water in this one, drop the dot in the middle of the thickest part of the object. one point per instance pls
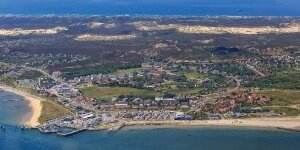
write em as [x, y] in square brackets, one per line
[153, 7]
[138, 139]
[13, 109]
[158, 139]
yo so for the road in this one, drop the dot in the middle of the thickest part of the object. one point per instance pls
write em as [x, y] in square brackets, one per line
[238, 84]
[255, 70]
[44, 72]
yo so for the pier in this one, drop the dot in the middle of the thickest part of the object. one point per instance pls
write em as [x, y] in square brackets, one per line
[118, 127]
[70, 133]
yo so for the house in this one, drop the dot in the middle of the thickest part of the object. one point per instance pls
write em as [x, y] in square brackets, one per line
[121, 105]
[214, 116]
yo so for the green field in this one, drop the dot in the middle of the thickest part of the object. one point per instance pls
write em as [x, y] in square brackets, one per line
[108, 92]
[193, 74]
[123, 71]
[171, 86]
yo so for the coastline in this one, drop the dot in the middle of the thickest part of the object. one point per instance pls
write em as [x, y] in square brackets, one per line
[34, 104]
[284, 123]
[281, 123]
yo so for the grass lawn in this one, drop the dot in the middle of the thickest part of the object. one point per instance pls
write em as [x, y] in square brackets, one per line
[170, 86]
[108, 92]
[193, 74]
[51, 110]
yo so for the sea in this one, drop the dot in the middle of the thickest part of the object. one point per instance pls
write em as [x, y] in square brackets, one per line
[13, 109]
[152, 7]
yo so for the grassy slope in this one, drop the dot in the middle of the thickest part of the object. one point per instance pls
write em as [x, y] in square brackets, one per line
[52, 110]
[285, 102]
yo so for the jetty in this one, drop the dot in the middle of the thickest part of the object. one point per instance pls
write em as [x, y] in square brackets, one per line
[118, 127]
[70, 133]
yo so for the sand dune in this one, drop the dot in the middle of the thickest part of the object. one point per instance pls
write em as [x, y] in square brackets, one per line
[287, 28]
[20, 31]
[89, 37]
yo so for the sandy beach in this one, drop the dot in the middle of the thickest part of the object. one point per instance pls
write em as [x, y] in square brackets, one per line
[34, 103]
[285, 123]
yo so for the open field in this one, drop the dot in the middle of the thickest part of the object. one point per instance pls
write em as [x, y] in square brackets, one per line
[103, 92]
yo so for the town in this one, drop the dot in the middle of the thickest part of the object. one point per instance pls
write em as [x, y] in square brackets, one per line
[151, 91]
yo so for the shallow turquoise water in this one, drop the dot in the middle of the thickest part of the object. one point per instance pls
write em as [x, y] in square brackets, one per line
[139, 139]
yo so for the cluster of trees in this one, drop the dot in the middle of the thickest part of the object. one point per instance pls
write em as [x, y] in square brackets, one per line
[233, 69]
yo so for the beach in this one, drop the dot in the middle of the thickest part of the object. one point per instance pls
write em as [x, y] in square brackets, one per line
[284, 123]
[34, 104]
